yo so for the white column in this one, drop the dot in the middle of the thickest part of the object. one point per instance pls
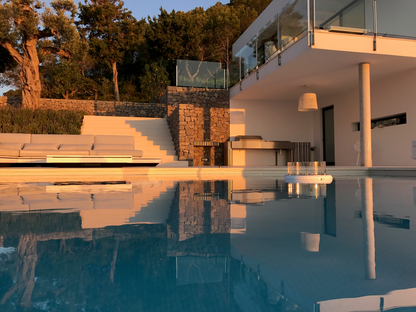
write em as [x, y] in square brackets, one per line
[365, 115]
[368, 229]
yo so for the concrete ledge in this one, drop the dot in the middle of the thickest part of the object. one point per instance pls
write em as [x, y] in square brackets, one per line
[392, 171]
[180, 173]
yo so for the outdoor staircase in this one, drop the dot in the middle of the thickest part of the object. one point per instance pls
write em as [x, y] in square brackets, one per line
[155, 202]
[152, 201]
[151, 135]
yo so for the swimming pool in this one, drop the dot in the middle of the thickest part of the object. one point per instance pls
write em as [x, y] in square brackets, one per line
[235, 245]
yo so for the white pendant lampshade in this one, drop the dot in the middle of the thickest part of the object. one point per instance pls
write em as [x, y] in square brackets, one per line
[307, 102]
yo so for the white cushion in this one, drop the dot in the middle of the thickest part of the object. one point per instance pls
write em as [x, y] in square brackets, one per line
[113, 147]
[14, 146]
[40, 146]
[75, 147]
[15, 137]
[9, 152]
[62, 138]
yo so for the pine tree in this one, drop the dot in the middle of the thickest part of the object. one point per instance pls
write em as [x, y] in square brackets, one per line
[111, 31]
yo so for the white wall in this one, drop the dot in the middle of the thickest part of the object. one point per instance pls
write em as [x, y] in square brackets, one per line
[391, 145]
[274, 121]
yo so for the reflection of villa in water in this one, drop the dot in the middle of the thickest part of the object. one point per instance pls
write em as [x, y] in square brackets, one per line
[248, 245]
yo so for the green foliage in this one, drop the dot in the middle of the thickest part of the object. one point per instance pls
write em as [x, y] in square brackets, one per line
[154, 82]
[23, 25]
[176, 35]
[111, 31]
[129, 92]
[109, 27]
[110, 43]
[39, 121]
[6, 60]
[66, 80]
[222, 29]
[257, 5]
[13, 93]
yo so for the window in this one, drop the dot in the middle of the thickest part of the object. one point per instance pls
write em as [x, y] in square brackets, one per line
[383, 122]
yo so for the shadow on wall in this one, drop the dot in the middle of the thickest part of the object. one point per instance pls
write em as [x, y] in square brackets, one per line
[15, 102]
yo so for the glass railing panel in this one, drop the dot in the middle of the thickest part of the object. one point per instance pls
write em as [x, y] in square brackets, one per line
[200, 74]
[293, 21]
[234, 72]
[267, 42]
[343, 13]
[248, 58]
[396, 18]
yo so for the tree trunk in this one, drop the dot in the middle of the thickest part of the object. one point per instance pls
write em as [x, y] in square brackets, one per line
[29, 76]
[115, 81]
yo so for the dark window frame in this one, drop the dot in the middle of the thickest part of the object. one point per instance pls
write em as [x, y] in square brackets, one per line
[383, 122]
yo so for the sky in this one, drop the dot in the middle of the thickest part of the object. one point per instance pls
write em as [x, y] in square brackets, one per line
[143, 8]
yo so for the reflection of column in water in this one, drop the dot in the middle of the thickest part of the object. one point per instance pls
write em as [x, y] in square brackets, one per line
[368, 229]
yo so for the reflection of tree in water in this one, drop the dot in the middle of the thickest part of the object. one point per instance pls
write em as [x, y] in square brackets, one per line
[124, 268]
[26, 264]
[85, 269]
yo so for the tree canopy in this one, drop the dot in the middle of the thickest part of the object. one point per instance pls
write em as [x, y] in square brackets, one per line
[20, 32]
[111, 30]
[68, 52]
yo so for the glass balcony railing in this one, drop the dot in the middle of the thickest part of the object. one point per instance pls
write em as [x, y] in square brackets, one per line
[299, 18]
[199, 74]
[343, 13]
[396, 18]
[293, 22]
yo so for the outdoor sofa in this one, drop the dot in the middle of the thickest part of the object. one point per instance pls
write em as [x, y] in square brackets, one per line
[54, 148]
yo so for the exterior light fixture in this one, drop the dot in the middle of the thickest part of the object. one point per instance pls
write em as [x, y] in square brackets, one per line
[307, 102]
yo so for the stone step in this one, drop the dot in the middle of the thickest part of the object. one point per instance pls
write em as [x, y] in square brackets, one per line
[151, 135]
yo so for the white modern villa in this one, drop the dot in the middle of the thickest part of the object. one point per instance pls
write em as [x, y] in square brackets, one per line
[358, 57]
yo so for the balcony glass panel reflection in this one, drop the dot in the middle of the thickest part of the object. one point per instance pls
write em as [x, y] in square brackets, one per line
[248, 58]
[267, 41]
[293, 21]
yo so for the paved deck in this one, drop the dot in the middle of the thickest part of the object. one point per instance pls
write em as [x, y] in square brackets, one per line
[39, 174]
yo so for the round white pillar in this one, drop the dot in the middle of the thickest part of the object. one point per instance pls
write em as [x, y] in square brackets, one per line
[365, 115]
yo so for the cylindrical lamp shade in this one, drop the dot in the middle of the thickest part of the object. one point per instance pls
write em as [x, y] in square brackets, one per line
[307, 102]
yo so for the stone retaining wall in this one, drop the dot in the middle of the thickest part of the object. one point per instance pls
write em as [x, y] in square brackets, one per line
[199, 115]
[194, 115]
[98, 108]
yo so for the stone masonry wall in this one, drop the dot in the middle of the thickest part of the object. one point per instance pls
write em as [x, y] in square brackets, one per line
[199, 115]
[196, 116]
[199, 221]
[98, 108]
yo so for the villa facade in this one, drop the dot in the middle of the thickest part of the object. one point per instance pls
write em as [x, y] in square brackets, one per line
[358, 57]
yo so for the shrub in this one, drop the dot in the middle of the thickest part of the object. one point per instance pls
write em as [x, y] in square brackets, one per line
[40, 121]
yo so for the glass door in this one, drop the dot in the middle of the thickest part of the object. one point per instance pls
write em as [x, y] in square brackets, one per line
[328, 135]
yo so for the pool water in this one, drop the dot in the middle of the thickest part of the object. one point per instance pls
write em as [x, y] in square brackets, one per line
[236, 245]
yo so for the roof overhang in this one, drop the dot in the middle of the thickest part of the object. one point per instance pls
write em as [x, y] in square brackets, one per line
[328, 67]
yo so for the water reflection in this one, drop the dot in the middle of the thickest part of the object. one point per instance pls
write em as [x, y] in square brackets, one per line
[368, 229]
[237, 245]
